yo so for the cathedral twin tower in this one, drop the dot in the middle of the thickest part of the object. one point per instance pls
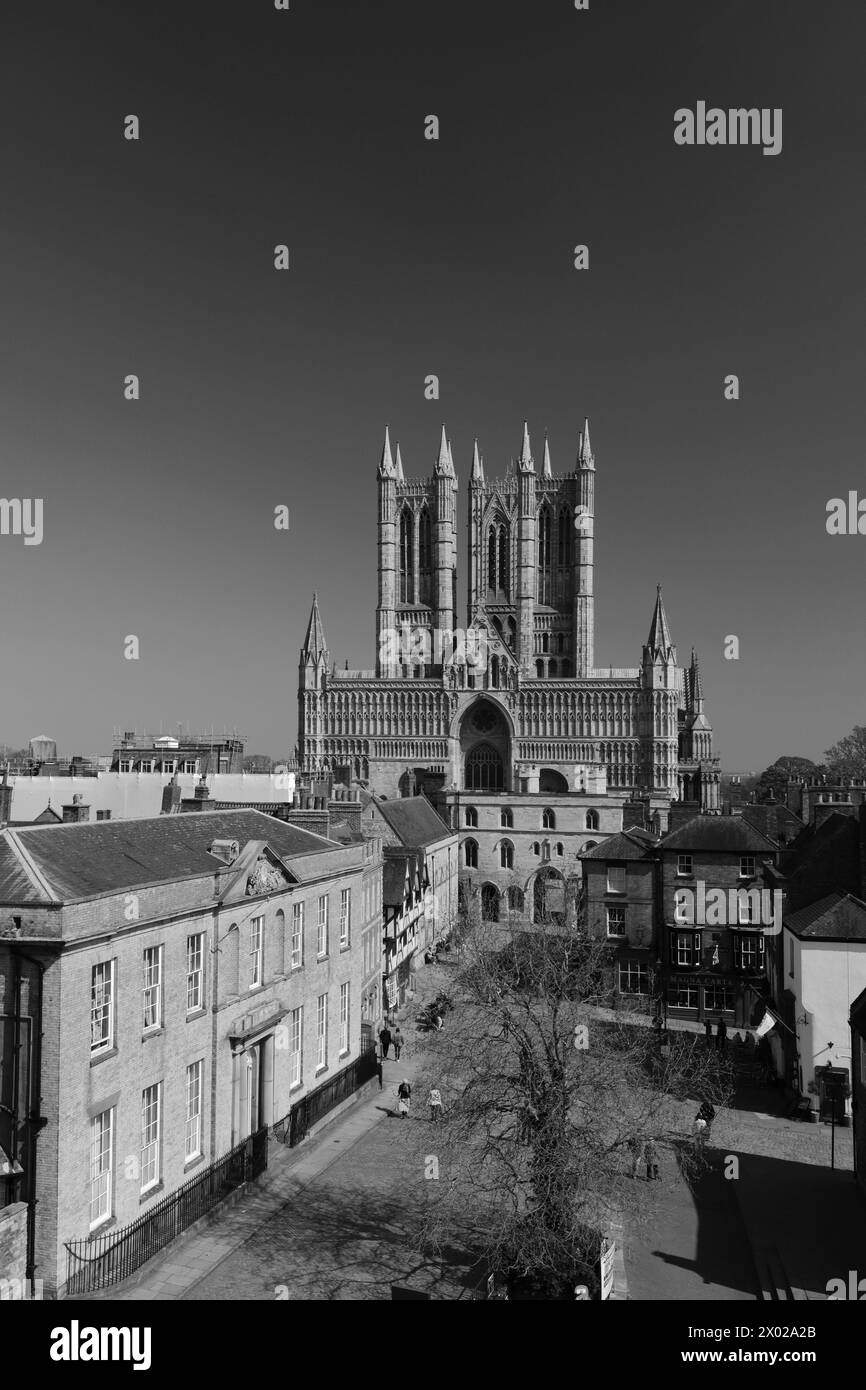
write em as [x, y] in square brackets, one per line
[530, 560]
[513, 702]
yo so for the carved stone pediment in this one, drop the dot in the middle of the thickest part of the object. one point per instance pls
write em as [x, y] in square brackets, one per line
[266, 877]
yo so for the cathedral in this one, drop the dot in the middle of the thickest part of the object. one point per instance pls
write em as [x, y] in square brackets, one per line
[495, 716]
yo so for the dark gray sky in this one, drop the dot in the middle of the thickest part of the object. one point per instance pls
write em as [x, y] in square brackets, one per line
[411, 257]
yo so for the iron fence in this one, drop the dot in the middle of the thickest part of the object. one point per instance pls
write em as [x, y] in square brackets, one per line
[311, 1108]
[97, 1263]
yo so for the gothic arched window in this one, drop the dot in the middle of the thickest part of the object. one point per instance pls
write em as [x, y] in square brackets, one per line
[470, 854]
[503, 560]
[548, 819]
[592, 820]
[506, 855]
[425, 557]
[544, 555]
[484, 770]
[407, 560]
[564, 529]
[470, 816]
[506, 820]
[491, 558]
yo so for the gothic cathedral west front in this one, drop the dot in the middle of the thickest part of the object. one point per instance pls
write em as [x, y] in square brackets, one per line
[506, 722]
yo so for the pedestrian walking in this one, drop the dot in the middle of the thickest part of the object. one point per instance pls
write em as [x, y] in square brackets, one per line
[434, 1100]
[699, 1131]
[634, 1148]
[397, 1040]
[385, 1038]
[404, 1095]
[379, 1071]
[651, 1159]
[708, 1030]
[721, 1034]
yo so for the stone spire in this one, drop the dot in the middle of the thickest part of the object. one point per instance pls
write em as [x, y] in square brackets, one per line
[444, 467]
[696, 687]
[477, 465]
[546, 470]
[659, 639]
[451, 462]
[527, 464]
[386, 467]
[399, 466]
[314, 642]
[585, 456]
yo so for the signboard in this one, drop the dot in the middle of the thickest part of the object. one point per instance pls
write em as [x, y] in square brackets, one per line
[608, 1249]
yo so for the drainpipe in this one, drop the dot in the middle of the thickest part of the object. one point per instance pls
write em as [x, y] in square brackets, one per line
[34, 1120]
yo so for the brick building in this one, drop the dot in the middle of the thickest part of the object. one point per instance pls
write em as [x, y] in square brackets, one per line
[168, 987]
[712, 957]
[619, 905]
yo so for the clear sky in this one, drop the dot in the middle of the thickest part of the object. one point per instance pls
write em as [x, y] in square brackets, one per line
[410, 257]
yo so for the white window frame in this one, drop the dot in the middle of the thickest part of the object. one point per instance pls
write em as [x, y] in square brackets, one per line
[194, 1093]
[152, 988]
[626, 967]
[296, 1073]
[151, 1133]
[190, 765]
[322, 926]
[101, 1167]
[617, 869]
[146, 765]
[102, 1006]
[297, 959]
[169, 765]
[257, 952]
[748, 859]
[620, 931]
[345, 1006]
[694, 997]
[194, 972]
[345, 915]
[321, 1032]
[682, 861]
[125, 765]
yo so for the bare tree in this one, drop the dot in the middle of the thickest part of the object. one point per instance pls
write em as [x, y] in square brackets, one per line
[546, 1096]
[847, 758]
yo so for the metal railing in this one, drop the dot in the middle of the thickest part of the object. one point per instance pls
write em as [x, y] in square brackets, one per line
[307, 1111]
[105, 1260]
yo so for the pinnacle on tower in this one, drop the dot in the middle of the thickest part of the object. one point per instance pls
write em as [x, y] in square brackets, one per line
[399, 466]
[444, 467]
[477, 465]
[526, 461]
[386, 467]
[660, 634]
[585, 454]
[451, 462]
[546, 471]
[697, 688]
[314, 642]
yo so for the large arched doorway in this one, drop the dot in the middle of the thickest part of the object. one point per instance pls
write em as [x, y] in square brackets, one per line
[551, 781]
[485, 748]
[490, 903]
[548, 897]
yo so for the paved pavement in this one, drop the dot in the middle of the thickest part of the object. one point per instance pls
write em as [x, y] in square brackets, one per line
[333, 1218]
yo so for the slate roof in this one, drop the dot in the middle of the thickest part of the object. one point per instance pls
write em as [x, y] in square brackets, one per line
[413, 820]
[630, 844]
[78, 861]
[722, 834]
[838, 917]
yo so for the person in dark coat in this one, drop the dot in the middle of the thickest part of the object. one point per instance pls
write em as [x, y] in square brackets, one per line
[397, 1040]
[379, 1071]
[651, 1158]
[708, 1030]
[385, 1039]
[721, 1034]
